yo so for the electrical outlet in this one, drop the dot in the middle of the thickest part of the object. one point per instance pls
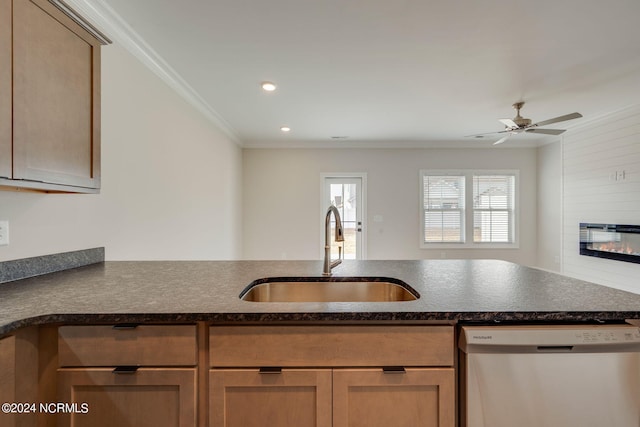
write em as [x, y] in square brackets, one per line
[4, 233]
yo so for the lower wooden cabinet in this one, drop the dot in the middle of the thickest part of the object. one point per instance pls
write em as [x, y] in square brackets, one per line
[209, 376]
[7, 378]
[414, 397]
[250, 398]
[20, 378]
[128, 375]
[332, 376]
[148, 397]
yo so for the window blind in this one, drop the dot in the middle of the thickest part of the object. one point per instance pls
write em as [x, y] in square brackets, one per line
[443, 207]
[493, 208]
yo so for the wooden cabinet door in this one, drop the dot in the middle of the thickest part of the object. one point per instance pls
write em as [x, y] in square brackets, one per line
[291, 398]
[419, 397]
[56, 97]
[7, 378]
[19, 376]
[150, 397]
[5, 89]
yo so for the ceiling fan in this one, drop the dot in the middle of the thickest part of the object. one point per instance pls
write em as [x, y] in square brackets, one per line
[520, 124]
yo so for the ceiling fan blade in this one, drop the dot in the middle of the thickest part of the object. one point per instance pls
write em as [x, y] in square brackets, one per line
[508, 123]
[477, 135]
[558, 119]
[546, 131]
[503, 139]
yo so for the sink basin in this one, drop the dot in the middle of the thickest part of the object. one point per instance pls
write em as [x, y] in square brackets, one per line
[328, 289]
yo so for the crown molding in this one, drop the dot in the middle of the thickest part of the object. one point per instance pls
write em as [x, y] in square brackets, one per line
[102, 16]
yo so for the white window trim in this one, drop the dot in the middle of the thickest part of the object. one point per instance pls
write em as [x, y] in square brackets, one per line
[468, 231]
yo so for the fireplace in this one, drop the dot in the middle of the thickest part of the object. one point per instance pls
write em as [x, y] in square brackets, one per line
[612, 241]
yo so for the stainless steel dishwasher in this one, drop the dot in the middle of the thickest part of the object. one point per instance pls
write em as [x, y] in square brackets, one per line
[551, 376]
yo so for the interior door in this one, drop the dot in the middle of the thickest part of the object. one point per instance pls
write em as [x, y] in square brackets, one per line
[347, 194]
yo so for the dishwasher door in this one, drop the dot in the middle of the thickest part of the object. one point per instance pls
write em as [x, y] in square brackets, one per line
[551, 376]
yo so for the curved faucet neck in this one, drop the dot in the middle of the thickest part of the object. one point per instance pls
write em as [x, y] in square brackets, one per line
[339, 237]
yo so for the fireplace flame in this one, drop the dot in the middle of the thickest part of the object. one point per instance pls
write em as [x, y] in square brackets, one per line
[615, 247]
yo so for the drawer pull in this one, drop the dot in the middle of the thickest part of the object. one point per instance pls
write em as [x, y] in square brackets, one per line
[394, 370]
[271, 370]
[125, 370]
[125, 326]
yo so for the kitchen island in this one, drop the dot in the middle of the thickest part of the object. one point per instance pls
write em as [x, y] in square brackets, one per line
[109, 339]
[189, 291]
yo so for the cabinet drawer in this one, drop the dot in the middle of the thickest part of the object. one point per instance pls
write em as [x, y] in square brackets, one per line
[300, 346]
[157, 397]
[149, 345]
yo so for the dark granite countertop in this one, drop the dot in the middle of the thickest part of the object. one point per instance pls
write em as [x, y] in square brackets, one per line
[187, 291]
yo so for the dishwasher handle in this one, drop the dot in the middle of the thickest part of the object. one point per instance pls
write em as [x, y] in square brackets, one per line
[555, 348]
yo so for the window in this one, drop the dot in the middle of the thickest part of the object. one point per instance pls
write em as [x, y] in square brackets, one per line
[443, 208]
[491, 219]
[493, 208]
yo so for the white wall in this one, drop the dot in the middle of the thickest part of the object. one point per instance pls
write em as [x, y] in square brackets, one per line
[171, 181]
[549, 206]
[281, 199]
[592, 154]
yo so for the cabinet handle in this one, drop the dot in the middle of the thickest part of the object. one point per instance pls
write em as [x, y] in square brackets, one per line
[125, 326]
[270, 370]
[125, 370]
[394, 370]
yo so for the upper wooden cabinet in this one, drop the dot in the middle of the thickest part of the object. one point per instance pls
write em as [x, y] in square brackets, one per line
[5, 88]
[54, 78]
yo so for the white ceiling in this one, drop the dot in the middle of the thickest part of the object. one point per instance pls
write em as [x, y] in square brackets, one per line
[394, 71]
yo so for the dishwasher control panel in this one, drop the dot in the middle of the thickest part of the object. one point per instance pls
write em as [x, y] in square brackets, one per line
[610, 335]
[545, 338]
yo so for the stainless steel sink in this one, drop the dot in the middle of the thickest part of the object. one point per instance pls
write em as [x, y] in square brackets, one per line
[328, 289]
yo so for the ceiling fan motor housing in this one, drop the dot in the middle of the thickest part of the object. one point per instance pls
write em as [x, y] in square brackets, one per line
[521, 121]
[518, 119]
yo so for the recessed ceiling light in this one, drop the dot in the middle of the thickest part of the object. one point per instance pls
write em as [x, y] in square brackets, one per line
[268, 86]
[285, 129]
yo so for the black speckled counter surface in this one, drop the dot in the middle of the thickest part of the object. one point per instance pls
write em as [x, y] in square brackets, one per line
[187, 291]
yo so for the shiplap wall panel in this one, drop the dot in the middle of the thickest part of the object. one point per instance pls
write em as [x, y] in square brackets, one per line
[593, 158]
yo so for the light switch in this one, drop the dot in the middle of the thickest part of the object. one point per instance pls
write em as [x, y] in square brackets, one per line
[4, 233]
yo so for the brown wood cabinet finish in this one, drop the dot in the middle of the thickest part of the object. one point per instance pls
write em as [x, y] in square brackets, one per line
[19, 376]
[160, 390]
[5, 88]
[291, 398]
[150, 397]
[371, 398]
[303, 346]
[55, 120]
[423, 395]
[144, 345]
[176, 380]
[7, 378]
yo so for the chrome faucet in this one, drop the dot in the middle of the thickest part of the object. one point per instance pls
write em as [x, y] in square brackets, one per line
[328, 264]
